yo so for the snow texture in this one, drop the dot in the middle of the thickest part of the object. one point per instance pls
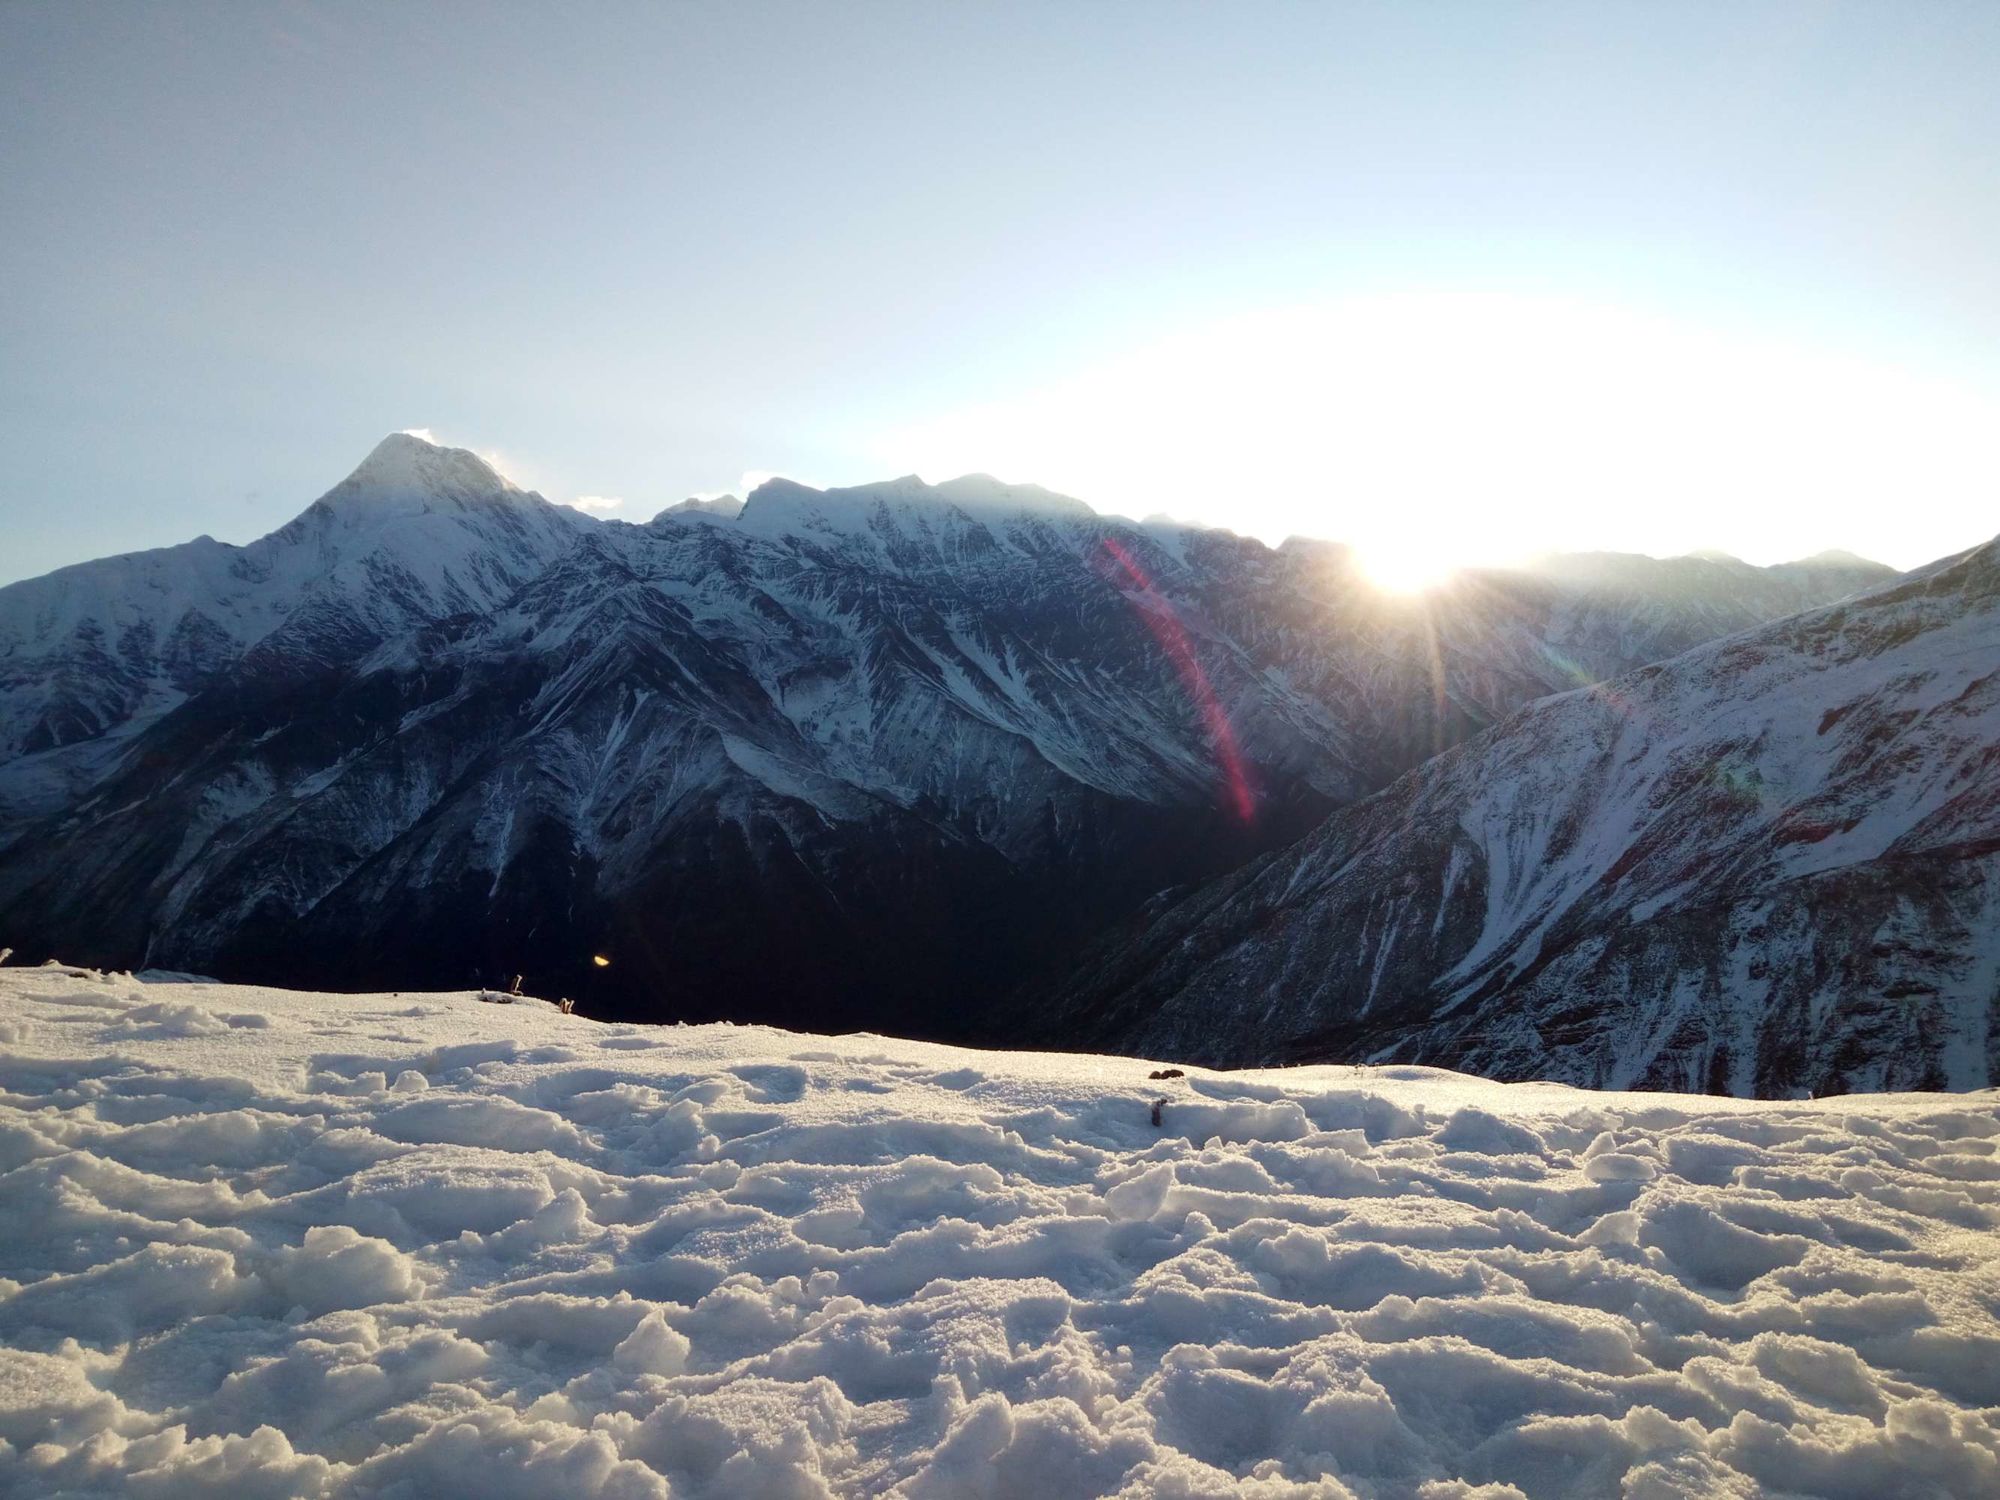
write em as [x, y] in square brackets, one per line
[261, 1243]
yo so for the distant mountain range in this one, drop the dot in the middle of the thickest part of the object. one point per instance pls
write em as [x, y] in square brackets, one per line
[1768, 866]
[890, 757]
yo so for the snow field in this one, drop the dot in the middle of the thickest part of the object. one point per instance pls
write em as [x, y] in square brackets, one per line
[261, 1243]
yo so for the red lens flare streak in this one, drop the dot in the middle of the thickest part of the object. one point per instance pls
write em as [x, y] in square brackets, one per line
[1166, 628]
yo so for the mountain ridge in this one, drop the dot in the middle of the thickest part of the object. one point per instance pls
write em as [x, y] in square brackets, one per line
[1770, 864]
[845, 754]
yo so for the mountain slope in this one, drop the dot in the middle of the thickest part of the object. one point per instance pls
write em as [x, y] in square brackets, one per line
[1767, 866]
[871, 755]
[91, 654]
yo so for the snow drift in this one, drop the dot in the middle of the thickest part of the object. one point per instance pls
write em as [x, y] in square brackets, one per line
[261, 1243]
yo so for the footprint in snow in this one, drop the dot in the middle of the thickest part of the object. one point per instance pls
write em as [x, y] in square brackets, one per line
[772, 1083]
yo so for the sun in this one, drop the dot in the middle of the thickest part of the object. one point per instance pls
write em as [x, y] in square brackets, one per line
[1405, 565]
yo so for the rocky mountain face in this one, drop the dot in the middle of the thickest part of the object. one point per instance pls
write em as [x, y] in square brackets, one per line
[1768, 866]
[866, 757]
[92, 654]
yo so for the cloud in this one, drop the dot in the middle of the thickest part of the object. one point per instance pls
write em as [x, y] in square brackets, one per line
[593, 502]
[421, 432]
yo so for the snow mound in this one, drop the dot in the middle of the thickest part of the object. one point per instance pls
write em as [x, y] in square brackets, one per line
[272, 1244]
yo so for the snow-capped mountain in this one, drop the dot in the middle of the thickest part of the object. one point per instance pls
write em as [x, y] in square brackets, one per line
[1770, 866]
[92, 653]
[861, 756]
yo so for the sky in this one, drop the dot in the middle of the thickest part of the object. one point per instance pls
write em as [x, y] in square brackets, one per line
[1453, 282]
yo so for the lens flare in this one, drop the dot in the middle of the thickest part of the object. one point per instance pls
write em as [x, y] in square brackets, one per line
[1157, 614]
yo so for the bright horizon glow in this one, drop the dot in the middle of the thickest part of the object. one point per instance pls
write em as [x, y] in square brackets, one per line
[1433, 430]
[1410, 569]
[1451, 284]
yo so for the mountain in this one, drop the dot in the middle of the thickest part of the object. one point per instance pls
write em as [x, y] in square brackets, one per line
[724, 507]
[1769, 866]
[867, 756]
[91, 654]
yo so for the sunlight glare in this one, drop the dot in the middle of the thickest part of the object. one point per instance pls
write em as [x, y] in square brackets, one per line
[1403, 565]
[1506, 424]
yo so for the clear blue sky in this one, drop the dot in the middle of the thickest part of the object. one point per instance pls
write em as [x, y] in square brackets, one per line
[1473, 276]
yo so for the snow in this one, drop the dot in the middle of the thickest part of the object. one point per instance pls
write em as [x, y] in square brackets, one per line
[406, 471]
[271, 1243]
[1767, 862]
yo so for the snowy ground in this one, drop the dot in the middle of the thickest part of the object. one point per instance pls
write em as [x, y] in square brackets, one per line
[263, 1243]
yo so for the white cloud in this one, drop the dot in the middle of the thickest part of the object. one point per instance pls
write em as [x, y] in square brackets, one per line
[594, 502]
[421, 432]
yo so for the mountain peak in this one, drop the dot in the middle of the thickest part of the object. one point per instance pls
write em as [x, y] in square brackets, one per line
[409, 462]
[779, 487]
[984, 492]
[723, 507]
[1837, 557]
[408, 474]
[781, 504]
